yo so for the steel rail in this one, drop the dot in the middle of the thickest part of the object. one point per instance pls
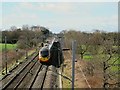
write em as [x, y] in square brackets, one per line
[24, 76]
[19, 71]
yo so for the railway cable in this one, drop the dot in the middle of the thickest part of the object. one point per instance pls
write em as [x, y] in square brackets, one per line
[64, 76]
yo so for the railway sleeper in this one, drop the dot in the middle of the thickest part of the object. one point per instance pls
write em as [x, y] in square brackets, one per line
[51, 78]
[40, 78]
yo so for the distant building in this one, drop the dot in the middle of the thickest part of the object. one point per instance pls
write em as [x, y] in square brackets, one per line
[34, 28]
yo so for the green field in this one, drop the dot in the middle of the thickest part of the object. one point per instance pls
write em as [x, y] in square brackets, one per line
[9, 46]
[89, 57]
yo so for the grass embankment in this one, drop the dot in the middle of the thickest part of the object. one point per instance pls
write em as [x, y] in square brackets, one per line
[66, 83]
[87, 57]
[20, 60]
[8, 46]
[12, 62]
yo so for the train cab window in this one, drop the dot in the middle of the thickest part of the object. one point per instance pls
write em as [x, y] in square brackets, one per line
[44, 53]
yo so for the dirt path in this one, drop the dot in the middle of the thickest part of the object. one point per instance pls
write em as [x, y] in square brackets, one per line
[80, 81]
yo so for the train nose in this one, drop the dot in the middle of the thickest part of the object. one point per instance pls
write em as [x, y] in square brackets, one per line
[43, 59]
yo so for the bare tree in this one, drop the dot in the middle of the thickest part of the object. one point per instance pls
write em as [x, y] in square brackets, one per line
[109, 63]
[103, 48]
[81, 38]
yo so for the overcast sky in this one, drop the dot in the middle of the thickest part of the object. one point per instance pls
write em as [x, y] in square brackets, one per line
[57, 16]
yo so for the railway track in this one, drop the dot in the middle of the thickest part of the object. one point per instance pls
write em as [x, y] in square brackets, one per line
[22, 64]
[14, 79]
[17, 69]
[31, 74]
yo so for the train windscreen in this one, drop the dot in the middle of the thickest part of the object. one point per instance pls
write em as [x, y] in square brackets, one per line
[44, 53]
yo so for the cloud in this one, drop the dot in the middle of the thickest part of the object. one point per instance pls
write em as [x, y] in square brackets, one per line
[63, 8]
[18, 20]
[60, 15]
[87, 23]
[60, 0]
[51, 7]
[58, 7]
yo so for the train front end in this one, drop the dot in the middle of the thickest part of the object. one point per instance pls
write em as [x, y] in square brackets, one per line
[44, 55]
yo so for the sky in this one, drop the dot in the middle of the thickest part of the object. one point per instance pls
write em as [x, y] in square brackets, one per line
[58, 16]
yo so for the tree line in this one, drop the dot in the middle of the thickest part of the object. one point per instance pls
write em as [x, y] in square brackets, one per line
[104, 49]
[25, 36]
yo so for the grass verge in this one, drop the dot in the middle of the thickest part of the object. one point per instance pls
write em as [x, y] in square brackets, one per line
[8, 46]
